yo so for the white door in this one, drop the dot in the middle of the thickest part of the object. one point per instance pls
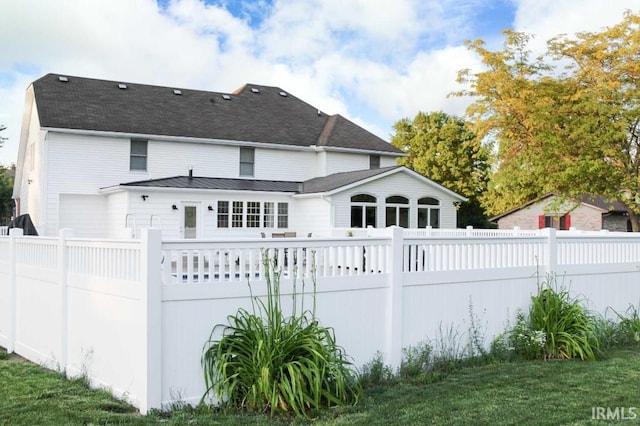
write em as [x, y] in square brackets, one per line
[190, 222]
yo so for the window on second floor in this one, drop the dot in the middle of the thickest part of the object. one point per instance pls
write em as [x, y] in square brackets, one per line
[247, 157]
[138, 155]
[374, 161]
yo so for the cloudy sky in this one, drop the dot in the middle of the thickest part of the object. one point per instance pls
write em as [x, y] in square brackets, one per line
[372, 61]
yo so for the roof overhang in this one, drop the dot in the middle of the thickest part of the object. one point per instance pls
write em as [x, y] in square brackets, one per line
[401, 169]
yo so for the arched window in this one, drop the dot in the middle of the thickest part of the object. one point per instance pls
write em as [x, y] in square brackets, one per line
[397, 211]
[428, 212]
[363, 211]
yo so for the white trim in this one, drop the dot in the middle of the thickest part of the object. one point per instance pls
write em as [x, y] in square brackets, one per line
[402, 169]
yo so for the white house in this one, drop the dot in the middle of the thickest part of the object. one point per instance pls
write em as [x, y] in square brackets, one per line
[107, 158]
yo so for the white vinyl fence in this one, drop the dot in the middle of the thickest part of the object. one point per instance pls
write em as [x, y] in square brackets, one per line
[134, 315]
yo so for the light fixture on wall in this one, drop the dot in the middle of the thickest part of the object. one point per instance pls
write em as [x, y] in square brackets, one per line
[210, 208]
[174, 207]
[456, 204]
[144, 197]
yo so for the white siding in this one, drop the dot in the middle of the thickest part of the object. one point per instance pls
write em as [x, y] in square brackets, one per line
[337, 162]
[312, 215]
[33, 184]
[396, 184]
[85, 214]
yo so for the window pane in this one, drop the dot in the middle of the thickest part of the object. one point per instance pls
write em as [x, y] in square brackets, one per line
[356, 216]
[429, 201]
[268, 215]
[391, 216]
[138, 155]
[397, 199]
[246, 155]
[363, 198]
[253, 214]
[139, 148]
[283, 215]
[371, 212]
[246, 169]
[137, 163]
[223, 214]
[374, 161]
[435, 218]
[423, 217]
[246, 161]
[236, 218]
[404, 217]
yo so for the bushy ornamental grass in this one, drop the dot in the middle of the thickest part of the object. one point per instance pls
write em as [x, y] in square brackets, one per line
[628, 326]
[270, 362]
[569, 329]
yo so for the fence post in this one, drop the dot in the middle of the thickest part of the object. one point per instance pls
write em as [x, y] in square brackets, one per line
[63, 267]
[551, 262]
[150, 278]
[393, 332]
[13, 295]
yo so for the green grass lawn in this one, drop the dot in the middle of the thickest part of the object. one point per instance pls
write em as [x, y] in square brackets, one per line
[518, 393]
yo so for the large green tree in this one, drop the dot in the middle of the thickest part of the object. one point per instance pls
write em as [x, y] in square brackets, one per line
[444, 149]
[566, 121]
[6, 194]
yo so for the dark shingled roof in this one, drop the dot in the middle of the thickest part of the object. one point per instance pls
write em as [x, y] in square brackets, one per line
[267, 115]
[316, 185]
[338, 180]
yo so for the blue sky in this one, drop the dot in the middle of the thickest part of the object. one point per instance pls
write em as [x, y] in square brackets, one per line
[372, 61]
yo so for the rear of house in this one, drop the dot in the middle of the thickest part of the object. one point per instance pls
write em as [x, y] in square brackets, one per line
[108, 158]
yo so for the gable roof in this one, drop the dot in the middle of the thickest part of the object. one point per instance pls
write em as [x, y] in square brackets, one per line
[253, 113]
[599, 202]
[321, 185]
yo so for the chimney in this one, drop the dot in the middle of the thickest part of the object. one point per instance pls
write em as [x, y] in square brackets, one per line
[190, 173]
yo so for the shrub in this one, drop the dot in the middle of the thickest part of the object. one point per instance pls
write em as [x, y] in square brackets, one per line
[525, 342]
[270, 362]
[375, 373]
[568, 328]
[629, 326]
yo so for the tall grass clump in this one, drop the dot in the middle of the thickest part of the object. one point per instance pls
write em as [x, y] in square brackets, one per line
[569, 330]
[628, 326]
[271, 362]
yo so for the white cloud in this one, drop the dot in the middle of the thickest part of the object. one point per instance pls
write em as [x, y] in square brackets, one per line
[373, 61]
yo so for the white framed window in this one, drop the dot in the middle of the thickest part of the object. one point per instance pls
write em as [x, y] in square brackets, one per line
[237, 214]
[283, 215]
[428, 212]
[374, 161]
[363, 211]
[269, 212]
[253, 214]
[397, 211]
[223, 214]
[247, 159]
[138, 154]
